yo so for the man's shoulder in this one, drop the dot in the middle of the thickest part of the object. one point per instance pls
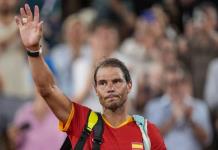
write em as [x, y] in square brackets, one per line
[155, 137]
[151, 125]
[78, 116]
[80, 107]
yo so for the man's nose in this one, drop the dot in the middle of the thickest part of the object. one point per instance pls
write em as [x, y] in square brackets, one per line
[110, 87]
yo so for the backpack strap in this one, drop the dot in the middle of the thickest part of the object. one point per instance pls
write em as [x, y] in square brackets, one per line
[91, 122]
[66, 145]
[142, 124]
[92, 119]
[98, 131]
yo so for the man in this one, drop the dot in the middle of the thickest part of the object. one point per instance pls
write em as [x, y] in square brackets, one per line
[112, 85]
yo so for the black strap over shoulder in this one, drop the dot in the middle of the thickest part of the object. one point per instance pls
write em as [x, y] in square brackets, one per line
[98, 131]
[85, 133]
[66, 145]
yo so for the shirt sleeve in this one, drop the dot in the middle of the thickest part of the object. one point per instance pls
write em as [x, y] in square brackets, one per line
[76, 120]
[64, 127]
[157, 142]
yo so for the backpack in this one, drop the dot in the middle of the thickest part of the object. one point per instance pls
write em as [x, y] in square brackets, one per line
[95, 122]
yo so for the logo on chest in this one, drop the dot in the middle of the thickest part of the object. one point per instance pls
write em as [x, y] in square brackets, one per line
[137, 146]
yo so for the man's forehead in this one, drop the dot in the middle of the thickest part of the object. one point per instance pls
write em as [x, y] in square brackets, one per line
[105, 73]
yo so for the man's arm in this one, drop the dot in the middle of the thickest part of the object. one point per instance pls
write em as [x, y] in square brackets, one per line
[30, 28]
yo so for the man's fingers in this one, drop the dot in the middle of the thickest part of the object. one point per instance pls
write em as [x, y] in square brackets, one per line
[23, 13]
[28, 12]
[39, 27]
[36, 14]
[18, 21]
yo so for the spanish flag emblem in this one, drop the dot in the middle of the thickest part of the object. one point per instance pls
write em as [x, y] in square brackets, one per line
[137, 146]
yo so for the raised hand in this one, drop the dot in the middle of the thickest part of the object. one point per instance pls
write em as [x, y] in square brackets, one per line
[30, 27]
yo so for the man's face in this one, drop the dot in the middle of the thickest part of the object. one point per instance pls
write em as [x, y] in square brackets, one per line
[111, 87]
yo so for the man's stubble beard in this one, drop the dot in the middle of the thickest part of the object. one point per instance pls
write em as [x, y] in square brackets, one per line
[114, 106]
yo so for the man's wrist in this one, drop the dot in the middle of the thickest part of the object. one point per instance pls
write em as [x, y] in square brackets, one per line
[34, 52]
[35, 47]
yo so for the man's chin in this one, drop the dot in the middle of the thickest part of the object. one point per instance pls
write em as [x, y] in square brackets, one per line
[113, 103]
[113, 106]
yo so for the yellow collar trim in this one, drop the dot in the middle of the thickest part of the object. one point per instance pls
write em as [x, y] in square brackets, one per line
[129, 119]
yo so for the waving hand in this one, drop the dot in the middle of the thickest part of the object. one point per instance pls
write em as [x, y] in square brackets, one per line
[30, 27]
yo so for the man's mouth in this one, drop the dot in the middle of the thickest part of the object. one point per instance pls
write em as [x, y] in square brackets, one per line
[112, 96]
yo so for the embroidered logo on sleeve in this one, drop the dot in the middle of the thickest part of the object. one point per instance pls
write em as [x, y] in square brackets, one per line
[137, 146]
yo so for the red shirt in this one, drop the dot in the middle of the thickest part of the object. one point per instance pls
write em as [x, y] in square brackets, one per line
[125, 137]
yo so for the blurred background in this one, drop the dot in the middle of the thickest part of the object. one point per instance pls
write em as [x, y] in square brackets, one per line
[169, 46]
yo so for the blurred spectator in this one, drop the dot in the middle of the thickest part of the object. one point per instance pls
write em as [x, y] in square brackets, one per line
[182, 52]
[1, 84]
[104, 40]
[8, 107]
[174, 14]
[35, 127]
[13, 67]
[150, 34]
[51, 15]
[168, 53]
[211, 87]
[119, 11]
[183, 120]
[69, 7]
[143, 95]
[155, 78]
[149, 86]
[178, 11]
[215, 125]
[122, 11]
[139, 47]
[188, 28]
[162, 28]
[71, 57]
[203, 45]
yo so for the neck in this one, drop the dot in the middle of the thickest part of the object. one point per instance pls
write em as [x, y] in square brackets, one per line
[117, 117]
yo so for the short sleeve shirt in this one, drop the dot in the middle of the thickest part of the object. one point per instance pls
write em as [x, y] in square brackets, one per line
[126, 136]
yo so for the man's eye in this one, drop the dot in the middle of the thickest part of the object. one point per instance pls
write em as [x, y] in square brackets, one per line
[117, 81]
[101, 83]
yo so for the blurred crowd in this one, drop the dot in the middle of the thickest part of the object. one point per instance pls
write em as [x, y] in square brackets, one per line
[169, 46]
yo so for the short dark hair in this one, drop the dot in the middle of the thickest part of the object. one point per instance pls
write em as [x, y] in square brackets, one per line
[113, 62]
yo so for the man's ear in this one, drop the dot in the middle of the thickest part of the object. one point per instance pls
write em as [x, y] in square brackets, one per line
[96, 91]
[129, 86]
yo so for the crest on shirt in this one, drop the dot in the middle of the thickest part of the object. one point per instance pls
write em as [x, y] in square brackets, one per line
[137, 146]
